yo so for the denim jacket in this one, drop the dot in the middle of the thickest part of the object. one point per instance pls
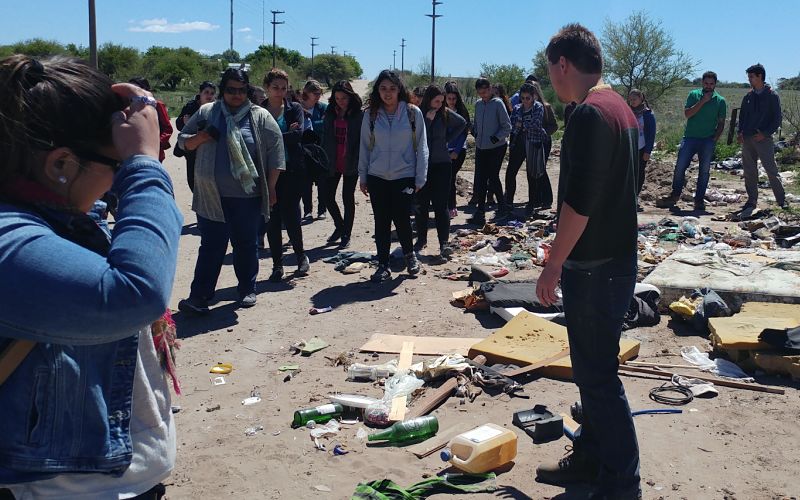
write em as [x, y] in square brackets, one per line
[67, 407]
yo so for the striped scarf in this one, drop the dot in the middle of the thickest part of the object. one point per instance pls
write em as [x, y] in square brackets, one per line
[242, 166]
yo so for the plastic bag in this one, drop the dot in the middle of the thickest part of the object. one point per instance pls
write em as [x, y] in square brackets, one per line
[401, 384]
[720, 367]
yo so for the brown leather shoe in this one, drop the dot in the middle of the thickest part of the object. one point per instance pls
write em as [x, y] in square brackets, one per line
[575, 467]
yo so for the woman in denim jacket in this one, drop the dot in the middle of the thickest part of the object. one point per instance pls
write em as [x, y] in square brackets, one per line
[86, 407]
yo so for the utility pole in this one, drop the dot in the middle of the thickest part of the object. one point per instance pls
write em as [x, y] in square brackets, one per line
[231, 25]
[313, 44]
[394, 59]
[403, 56]
[92, 35]
[274, 23]
[433, 17]
[333, 47]
[263, 20]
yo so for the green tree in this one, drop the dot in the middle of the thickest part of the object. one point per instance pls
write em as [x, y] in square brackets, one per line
[231, 56]
[118, 62]
[169, 67]
[512, 76]
[38, 47]
[330, 68]
[77, 50]
[640, 53]
[541, 68]
[289, 58]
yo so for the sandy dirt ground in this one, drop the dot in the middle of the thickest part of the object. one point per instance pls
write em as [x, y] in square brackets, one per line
[739, 445]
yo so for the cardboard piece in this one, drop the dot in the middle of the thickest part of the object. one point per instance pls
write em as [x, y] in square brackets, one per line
[741, 331]
[439, 441]
[398, 409]
[430, 346]
[777, 364]
[528, 339]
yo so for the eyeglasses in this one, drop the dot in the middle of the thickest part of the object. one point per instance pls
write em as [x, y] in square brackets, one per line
[526, 98]
[235, 90]
[98, 158]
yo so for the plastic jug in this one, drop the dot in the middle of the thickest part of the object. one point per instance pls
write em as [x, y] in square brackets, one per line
[482, 449]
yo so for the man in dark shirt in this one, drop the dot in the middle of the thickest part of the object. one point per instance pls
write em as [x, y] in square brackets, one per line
[594, 255]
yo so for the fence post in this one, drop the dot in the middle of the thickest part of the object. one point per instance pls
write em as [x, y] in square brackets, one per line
[732, 126]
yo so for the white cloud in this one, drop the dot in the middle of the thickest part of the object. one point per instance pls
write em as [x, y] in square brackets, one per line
[161, 25]
[244, 30]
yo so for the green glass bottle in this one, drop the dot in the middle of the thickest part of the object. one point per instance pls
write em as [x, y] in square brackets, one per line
[319, 414]
[401, 432]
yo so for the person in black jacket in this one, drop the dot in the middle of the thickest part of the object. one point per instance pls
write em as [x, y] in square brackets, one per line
[342, 133]
[286, 212]
[208, 92]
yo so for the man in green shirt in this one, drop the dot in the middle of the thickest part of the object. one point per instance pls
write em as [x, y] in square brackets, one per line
[705, 112]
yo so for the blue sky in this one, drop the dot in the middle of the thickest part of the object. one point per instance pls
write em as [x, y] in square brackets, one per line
[723, 36]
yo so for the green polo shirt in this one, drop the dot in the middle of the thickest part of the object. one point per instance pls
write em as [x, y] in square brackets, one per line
[704, 123]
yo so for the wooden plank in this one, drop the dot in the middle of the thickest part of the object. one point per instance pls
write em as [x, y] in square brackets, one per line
[428, 346]
[570, 425]
[439, 441]
[398, 409]
[539, 364]
[661, 365]
[717, 381]
[428, 402]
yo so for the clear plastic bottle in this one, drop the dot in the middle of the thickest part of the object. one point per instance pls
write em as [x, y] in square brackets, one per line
[482, 449]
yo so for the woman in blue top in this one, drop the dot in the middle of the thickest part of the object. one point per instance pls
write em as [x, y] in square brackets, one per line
[286, 212]
[647, 134]
[86, 407]
[315, 111]
[458, 146]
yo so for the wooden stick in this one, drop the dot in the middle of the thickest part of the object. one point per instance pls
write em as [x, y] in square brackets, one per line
[535, 366]
[398, 409]
[661, 365]
[434, 398]
[718, 381]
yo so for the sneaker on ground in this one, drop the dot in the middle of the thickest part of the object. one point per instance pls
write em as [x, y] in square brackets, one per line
[477, 219]
[574, 467]
[667, 201]
[321, 216]
[193, 306]
[335, 236]
[304, 266]
[445, 251]
[345, 241]
[381, 274]
[699, 206]
[248, 300]
[276, 276]
[412, 264]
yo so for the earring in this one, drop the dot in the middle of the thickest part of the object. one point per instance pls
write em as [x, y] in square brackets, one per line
[62, 179]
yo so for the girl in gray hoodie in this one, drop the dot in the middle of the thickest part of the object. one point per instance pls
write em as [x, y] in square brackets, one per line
[392, 166]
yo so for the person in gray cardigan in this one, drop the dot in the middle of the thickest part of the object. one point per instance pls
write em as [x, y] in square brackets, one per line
[441, 126]
[491, 128]
[341, 141]
[239, 157]
[392, 166]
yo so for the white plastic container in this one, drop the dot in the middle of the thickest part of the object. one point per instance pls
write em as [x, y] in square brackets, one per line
[482, 449]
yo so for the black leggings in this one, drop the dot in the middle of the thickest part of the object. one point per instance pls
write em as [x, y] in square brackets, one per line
[435, 192]
[455, 167]
[642, 168]
[286, 212]
[308, 194]
[391, 202]
[487, 167]
[345, 225]
[515, 158]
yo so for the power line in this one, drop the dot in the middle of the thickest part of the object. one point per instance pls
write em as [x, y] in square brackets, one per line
[274, 23]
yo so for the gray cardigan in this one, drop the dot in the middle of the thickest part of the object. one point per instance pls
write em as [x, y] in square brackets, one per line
[491, 119]
[440, 132]
[269, 143]
[392, 156]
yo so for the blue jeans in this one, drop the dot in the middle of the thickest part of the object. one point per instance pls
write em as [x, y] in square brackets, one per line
[595, 303]
[242, 222]
[704, 148]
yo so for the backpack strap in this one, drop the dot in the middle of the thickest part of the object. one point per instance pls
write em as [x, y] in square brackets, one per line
[373, 115]
[412, 119]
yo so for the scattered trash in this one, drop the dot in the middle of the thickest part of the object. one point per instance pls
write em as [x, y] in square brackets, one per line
[318, 414]
[252, 431]
[213, 408]
[251, 400]
[310, 346]
[322, 487]
[218, 381]
[329, 429]
[353, 400]
[697, 386]
[288, 368]
[355, 268]
[720, 367]
[540, 424]
[419, 428]
[221, 368]
[289, 376]
[319, 310]
[340, 450]
[361, 434]
[175, 409]
[482, 449]
[370, 373]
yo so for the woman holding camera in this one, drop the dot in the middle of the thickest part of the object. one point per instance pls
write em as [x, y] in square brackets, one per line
[239, 157]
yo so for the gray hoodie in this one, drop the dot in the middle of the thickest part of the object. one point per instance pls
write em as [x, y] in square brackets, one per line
[491, 119]
[392, 156]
